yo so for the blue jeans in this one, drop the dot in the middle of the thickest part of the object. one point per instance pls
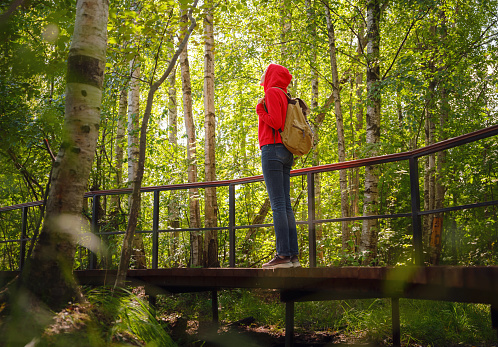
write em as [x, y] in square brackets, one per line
[277, 161]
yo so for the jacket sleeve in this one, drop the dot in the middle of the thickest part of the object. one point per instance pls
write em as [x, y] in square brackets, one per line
[275, 106]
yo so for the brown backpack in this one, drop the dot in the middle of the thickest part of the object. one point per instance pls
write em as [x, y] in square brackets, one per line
[297, 135]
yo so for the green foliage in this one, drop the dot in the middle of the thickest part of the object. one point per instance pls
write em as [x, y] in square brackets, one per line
[426, 323]
[111, 318]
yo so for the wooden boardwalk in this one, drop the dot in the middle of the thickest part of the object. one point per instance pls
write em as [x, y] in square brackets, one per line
[447, 283]
[444, 283]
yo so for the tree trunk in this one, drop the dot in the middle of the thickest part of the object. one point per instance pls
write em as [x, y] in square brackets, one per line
[196, 242]
[139, 260]
[133, 121]
[286, 30]
[119, 151]
[135, 195]
[48, 274]
[355, 174]
[430, 160]
[343, 179]
[314, 105]
[368, 245]
[211, 205]
[259, 218]
[439, 188]
[173, 206]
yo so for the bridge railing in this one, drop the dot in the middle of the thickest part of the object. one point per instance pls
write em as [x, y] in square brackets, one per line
[415, 213]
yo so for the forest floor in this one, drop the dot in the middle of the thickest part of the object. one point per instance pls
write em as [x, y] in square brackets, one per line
[245, 333]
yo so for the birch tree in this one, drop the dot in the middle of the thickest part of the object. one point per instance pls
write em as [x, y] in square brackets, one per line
[341, 149]
[138, 253]
[211, 205]
[370, 227]
[48, 274]
[119, 146]
[196, 240]
[173, 207]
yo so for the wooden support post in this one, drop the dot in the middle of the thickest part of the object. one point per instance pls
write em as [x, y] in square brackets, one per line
[24, 228]
[231, 224]
[311, 218]
[92, 261]
[214, 305]
[396, 322]
[289, 324]
[155, 231]
[416, 220]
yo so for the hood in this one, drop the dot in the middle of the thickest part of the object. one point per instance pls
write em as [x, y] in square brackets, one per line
[276, 76]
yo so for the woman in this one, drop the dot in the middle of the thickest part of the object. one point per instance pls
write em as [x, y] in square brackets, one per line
[277, 161]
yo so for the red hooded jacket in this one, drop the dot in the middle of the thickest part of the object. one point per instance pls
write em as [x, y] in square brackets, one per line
[276, 104]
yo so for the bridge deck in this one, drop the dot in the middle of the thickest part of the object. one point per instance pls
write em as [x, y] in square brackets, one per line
[448, 283]
[445, 283]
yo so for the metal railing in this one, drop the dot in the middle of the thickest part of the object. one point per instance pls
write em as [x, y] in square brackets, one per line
[415, 213]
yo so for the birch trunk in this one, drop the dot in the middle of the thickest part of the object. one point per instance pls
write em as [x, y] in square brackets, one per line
[368, 244]
[119, 147]
[133, 122]
[314, 106]
[430, 160]
[48, 274]
[173, 207]
[196, 241]
[286, 29]
[355, 179]
[440, 189]
[341, 151]
[211, 205]
[139, 260]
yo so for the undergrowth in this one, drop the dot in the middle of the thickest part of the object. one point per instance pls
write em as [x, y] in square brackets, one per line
[423, 323]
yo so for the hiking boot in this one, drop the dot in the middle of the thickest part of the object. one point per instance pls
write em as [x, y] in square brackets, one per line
[295, 261]
[278, 262]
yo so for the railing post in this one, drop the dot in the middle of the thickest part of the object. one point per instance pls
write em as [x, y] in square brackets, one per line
[416, 221]
[92, 261]
[155, 231]
[231, 224]
[24, 227]
[311, 218]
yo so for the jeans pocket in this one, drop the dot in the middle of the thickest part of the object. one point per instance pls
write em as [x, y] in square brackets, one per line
[284, 155]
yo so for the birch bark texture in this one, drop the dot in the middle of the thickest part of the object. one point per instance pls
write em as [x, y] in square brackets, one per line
[119, 146]
[211, 204]
[196, 240]
[369, 237]
[341, 148]
[48, 274]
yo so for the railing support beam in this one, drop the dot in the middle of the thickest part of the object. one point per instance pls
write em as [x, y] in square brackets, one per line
[231, 224]
[24, 228]
[416, 220]
[92, 262]
[155, 231]
[311, 218]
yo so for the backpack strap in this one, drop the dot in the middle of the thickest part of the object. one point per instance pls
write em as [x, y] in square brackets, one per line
[288, 99]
